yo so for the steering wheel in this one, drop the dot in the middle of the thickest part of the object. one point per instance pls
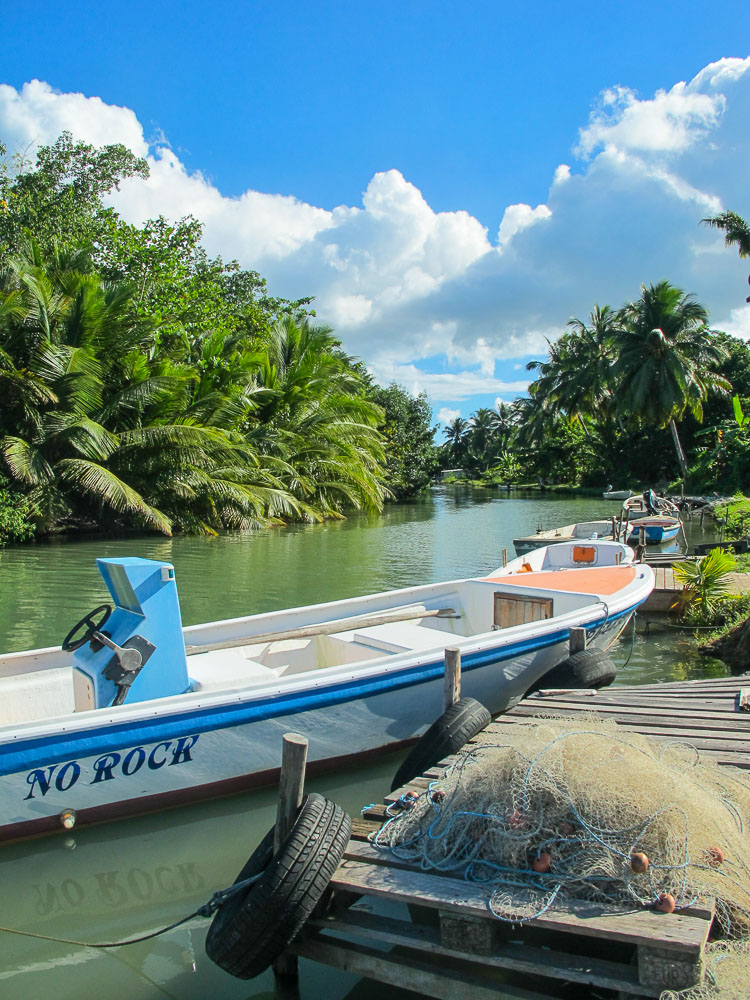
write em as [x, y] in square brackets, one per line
[89, 622]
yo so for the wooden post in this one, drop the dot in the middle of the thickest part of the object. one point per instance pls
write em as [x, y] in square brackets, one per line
[642, 542]
[505, 558]
[578, 640]
[452, 683]
[614, 529]
[291, 788]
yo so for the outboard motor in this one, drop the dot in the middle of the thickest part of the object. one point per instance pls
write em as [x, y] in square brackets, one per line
[136, 651]
[649, 498]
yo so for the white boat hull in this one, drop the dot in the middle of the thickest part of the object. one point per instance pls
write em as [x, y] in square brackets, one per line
[135, 758]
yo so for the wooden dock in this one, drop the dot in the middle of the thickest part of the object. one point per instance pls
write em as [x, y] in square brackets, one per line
[705, 713]
[438, 937]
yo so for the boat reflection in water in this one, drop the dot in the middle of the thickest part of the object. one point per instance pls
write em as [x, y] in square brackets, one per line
[125, 879]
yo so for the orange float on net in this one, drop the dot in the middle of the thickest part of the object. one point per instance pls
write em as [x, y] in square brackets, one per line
[714, 856]
[639, 862]
[666, 903]
[516, 818]
[541, 862]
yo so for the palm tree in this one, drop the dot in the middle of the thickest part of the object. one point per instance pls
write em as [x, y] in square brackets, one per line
[481, 442]
[503, 423]
[456, 433]
[562, 384]
[310, 415]
[592, 356]
[736, 232]
[667, 361]
[576, 378]
[93, 422]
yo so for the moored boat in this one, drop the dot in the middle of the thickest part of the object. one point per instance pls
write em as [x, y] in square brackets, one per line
[610, 494]
[655, 528]
[137, 712]
[648, 505]
[602, 529]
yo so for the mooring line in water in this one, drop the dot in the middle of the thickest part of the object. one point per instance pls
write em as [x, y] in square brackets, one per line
[632, 641]
[206, 910]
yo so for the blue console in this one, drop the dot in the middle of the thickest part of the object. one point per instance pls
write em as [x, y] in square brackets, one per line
[140, 652]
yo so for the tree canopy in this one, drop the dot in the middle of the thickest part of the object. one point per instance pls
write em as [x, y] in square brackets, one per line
[144, 384]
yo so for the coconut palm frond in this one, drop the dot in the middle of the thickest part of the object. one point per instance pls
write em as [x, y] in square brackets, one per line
[95, 480]
[26, 462]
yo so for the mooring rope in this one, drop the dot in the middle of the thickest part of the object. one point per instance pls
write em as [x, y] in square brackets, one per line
[632, 642]
[206, 910]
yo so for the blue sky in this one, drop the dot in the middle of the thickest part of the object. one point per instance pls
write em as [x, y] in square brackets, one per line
[452, 182]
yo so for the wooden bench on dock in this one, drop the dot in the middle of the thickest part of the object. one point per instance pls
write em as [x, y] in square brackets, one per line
[441, 939]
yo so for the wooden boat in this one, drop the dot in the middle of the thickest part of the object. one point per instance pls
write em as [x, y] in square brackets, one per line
[656, 528]
[604, 529]
[636, 507]
[136, 712]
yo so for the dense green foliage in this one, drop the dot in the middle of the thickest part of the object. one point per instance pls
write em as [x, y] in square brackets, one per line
[17, 515]
[144, 384]
[411, 456]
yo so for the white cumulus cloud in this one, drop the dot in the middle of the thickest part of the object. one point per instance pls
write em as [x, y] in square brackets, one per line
[446, 416]
[402, 283]
[518, 217]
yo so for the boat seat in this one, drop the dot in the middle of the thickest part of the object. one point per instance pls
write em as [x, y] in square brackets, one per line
[399, 637]
[220, 668]
[38, 694]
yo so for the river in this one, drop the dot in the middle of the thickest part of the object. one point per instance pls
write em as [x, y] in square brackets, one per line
[123, 879]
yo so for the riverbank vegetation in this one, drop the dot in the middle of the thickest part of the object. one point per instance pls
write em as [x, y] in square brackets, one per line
[146, 385]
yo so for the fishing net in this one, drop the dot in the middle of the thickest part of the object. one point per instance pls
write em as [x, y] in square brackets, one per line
[582, 809]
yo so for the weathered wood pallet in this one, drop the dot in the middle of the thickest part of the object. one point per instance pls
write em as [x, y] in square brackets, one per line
[446, 943]
[706, 714]
[451, 946]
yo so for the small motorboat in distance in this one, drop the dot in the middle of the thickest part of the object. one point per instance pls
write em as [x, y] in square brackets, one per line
[604, 529]
[610, 494]
[136, 712]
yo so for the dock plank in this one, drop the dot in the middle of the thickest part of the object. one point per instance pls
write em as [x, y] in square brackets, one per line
[518, 957]
[422, 975]
[681, 933]
[669, 949]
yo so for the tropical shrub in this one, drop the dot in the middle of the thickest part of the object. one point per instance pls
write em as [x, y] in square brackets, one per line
[705, 599]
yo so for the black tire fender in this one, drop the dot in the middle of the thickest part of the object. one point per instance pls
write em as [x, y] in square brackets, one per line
[588, 668]
[251, 929]
[458, 724]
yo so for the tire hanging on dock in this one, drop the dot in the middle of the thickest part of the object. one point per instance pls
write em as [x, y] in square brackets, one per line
[458, 724]
[588, 668]
[251, 929]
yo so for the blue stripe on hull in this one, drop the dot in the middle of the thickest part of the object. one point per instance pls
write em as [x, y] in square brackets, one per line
[655, 535]
[47, 750]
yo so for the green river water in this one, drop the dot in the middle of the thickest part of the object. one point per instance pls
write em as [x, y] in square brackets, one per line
[123, 879]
